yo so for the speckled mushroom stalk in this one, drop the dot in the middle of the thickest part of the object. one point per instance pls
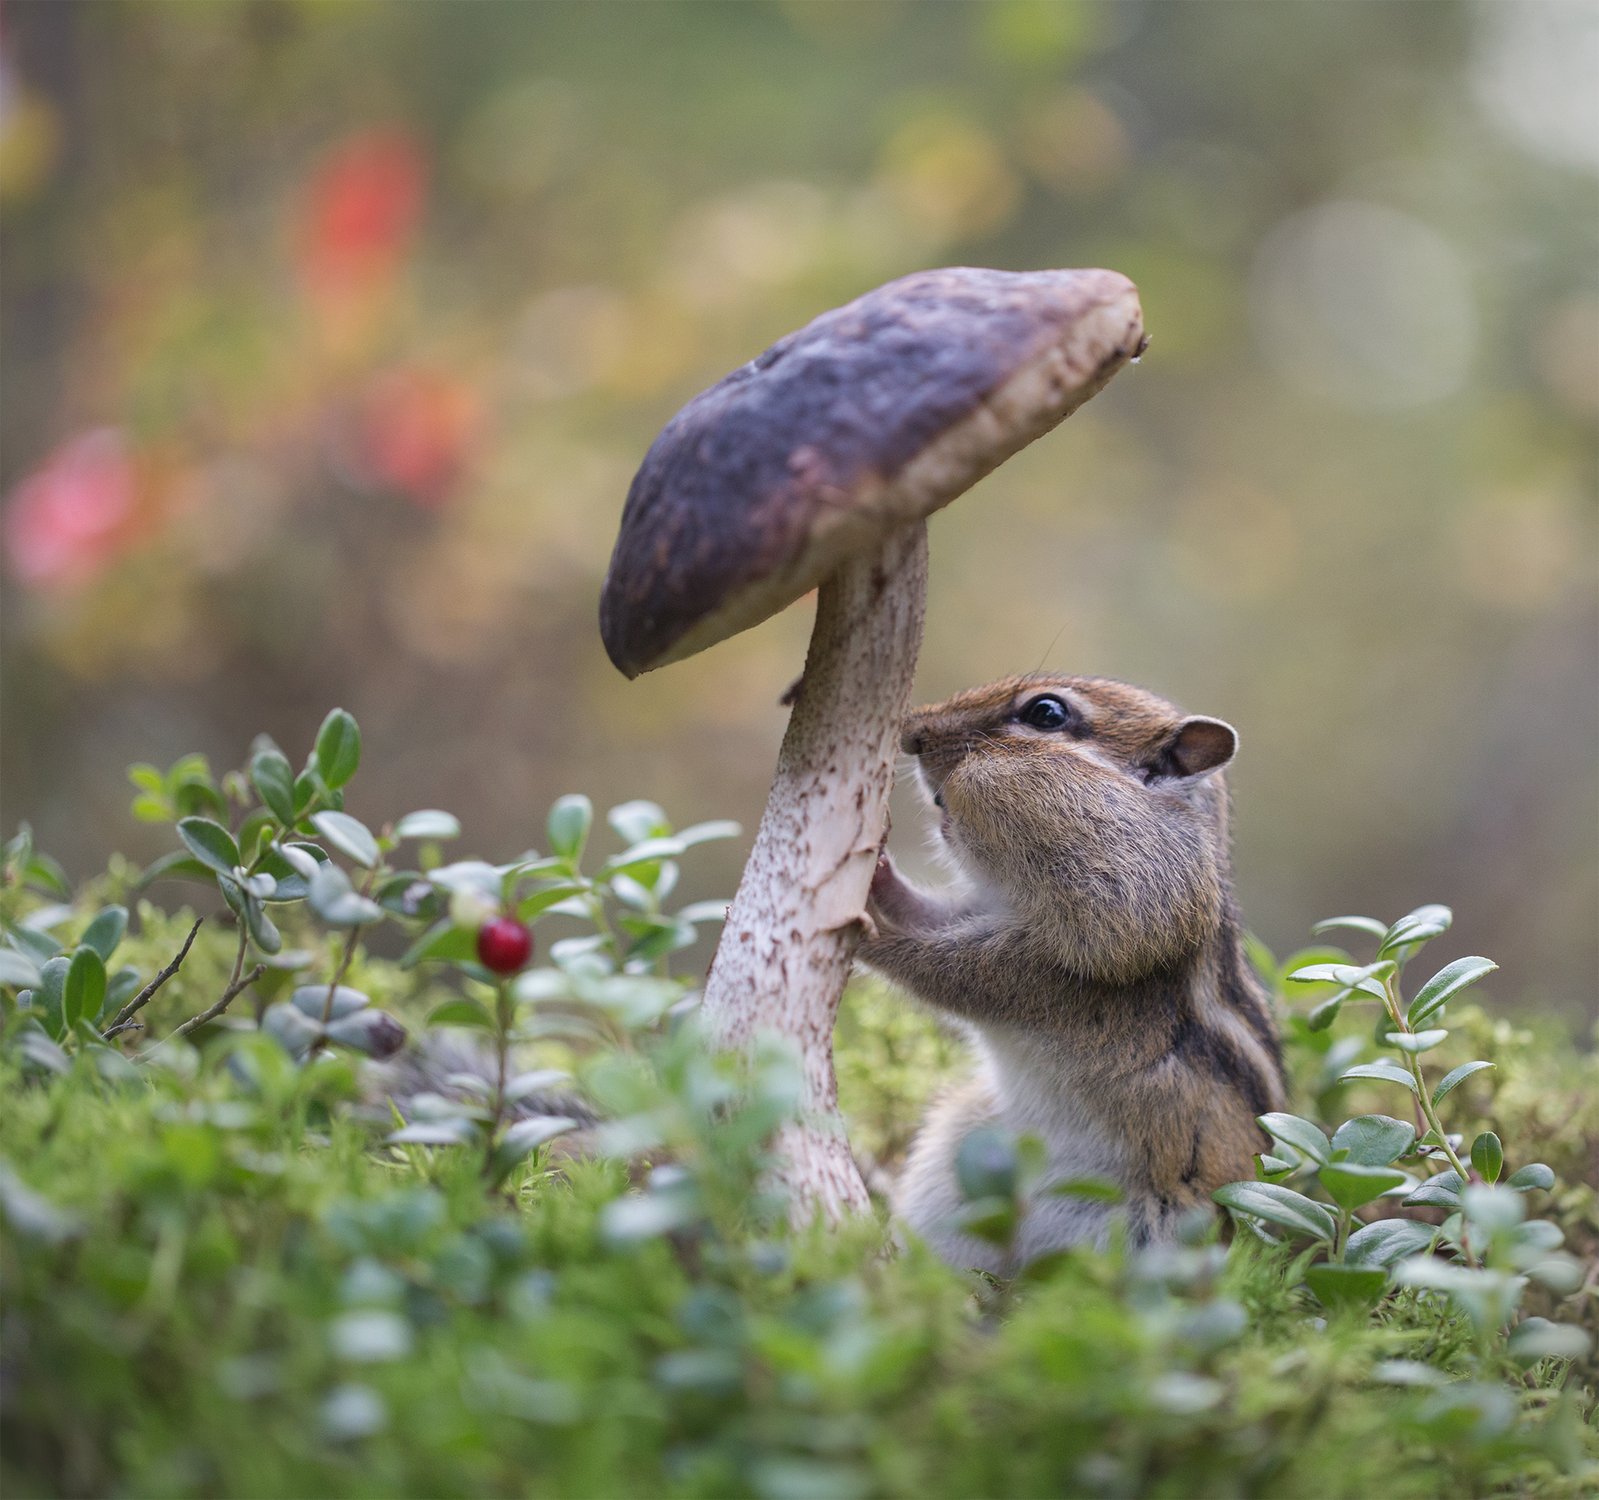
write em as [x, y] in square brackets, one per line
[815, 466]
[791, 932]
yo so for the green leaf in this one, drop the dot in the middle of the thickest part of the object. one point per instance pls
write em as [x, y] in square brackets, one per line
[1353, 1186]
[656, 939]
[1417, 1042]
[443, 942]
[308, 788]
[633, 822]
[263, 932]
[120, 988]
[651, 851]
[541, 901]
[1488, 1156]
[568, 826]
[1340, 1286]
[536, 1081]
[48, 993]
[17, 970]
[1367, 978]
[274, 784]
[291, 867]
[1533, 1175]
[704, 833]
[1442, 1190]
[311, 999]
[429, 823]
[291, 1028]
[350, 836]
[1093, 1189]
[37, 944]
[704, 911]
[1457, 1076]
[1368, 925]
[462, 1012]
[1539, 1338]
[332, 898]
[83, 988]
[1374, 1140]
[1321, 1016]
[39, 1053]
[527, 1136]
[1446, 984]
[1418, 927]
[455, 1132]
[985, 1164]
[1272, 1168]
[338, 749]
[1278, 1205]
[1386, 1071]
[1388, 1241]
[106, 931]
[31, 1216]
[210, 843]
[175, 866]
[147, 778]
[1496, 1209]
[1307, 1139]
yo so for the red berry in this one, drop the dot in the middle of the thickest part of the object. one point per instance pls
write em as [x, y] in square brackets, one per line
[503, 945]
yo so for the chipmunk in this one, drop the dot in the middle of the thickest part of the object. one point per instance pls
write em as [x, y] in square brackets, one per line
[1093, 951]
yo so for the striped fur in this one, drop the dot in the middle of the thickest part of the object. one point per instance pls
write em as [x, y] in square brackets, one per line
[1092, 950]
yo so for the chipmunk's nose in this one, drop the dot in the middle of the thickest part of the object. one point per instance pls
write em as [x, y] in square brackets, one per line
[912, 742]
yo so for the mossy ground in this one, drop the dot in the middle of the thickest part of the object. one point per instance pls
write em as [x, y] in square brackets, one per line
[216, 1283]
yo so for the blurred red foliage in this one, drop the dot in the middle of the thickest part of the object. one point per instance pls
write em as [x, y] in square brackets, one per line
[362, 206]
[74, 513]
[414, 432]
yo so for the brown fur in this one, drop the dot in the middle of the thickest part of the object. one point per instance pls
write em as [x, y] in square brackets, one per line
[1095, 954]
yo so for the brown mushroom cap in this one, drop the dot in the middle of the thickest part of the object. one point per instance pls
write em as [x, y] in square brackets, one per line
[875, 414]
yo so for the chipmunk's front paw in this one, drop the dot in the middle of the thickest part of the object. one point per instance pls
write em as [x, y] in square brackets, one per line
[886, 897]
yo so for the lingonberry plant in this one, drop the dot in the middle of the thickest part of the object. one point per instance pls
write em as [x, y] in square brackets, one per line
[539, 1245]
[1486, 1250]
[271, 840]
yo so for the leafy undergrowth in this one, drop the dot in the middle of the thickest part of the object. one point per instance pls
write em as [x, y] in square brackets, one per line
[231, 1269]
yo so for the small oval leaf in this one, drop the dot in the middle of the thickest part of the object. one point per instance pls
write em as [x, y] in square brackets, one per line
[350, 836]
[1446, 984]
[338, 749]
[273, 778]
[210, 843]
[429, 823]
[1307, 1139]
[1278, 1205]
[1488, 1156]
[568, 826]
[1386, 1071]
[1457, 1076]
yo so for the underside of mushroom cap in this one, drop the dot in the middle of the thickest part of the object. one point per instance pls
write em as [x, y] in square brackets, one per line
[873, 415]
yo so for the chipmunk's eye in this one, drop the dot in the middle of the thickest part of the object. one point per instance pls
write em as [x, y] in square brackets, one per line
[1047, 712]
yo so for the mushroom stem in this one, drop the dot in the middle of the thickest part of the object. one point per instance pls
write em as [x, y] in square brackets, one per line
[793, 927]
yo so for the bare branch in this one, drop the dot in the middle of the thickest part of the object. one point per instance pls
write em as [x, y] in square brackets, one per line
[229, 995]
[143, 998]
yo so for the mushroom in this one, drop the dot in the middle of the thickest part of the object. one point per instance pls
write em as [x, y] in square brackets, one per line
[815, 466]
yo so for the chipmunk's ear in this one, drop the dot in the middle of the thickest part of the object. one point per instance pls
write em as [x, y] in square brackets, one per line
[1196, 746]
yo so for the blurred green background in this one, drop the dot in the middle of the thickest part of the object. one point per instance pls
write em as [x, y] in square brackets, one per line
[333, 333]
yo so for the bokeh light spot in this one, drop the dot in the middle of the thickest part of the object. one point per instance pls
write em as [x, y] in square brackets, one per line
[1365, 305]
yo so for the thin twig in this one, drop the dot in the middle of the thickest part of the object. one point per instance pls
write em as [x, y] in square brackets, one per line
[139, 1001]
[229, 995]
[344, 962]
